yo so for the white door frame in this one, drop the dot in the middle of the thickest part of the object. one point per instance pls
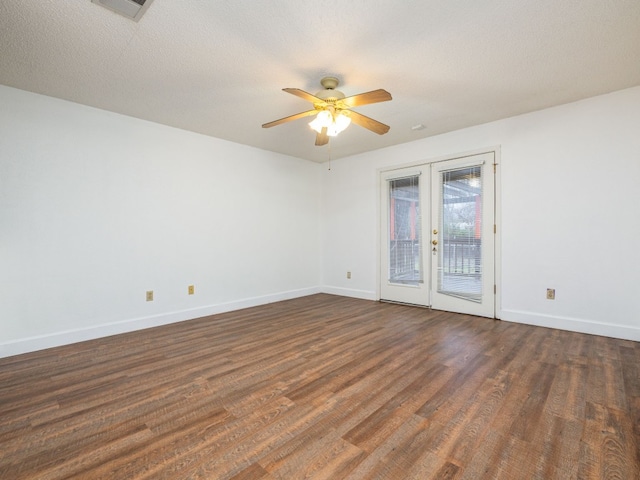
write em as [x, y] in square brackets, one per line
[381, 172]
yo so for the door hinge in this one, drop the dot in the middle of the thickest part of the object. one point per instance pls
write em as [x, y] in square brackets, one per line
[494, 167]
[495, 289]
[495, 229]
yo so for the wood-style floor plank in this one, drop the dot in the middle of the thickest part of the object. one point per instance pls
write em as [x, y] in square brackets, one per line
[325, 387]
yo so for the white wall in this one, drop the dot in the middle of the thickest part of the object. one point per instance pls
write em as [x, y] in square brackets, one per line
[96, 208]
[570, 194]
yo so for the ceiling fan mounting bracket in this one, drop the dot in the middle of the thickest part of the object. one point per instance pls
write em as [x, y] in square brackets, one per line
[329, 83]
[330, 94]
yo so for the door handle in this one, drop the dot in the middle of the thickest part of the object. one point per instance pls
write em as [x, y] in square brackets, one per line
[434, 242]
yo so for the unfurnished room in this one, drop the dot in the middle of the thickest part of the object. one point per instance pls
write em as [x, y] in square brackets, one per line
[324, 240]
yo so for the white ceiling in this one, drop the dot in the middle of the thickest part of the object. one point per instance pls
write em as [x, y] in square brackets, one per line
[218, 67]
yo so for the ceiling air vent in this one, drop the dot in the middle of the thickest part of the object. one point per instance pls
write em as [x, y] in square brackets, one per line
[133, 9]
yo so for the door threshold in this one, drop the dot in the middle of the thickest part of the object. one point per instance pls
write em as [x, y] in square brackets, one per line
[382, 300]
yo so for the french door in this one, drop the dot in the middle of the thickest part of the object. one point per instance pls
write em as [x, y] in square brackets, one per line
[437, 235]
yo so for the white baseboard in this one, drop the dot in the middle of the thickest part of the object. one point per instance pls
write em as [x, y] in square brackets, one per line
[350, 292]
[625, 332]
[41, 342]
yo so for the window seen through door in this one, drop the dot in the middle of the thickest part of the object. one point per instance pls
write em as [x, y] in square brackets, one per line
[404, 231]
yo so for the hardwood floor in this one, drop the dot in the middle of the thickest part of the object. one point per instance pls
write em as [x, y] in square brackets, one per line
[325, 387]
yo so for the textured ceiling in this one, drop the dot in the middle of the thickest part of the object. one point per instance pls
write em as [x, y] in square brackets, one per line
[218, 67]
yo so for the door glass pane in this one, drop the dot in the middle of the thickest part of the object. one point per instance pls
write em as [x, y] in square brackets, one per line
[405, 265]
[460, 236]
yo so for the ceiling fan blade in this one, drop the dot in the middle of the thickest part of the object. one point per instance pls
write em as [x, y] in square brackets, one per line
[369, 123]
[289, 118]
[374, 96]
[304, 95]
[322, 138]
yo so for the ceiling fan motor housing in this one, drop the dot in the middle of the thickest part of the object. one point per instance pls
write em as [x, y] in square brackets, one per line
[330, 94]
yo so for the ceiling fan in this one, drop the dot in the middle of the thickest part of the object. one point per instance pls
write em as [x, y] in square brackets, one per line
[333, 110]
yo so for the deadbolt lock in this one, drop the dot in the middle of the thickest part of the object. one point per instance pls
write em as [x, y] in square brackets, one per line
[434, 242]
[435, 232]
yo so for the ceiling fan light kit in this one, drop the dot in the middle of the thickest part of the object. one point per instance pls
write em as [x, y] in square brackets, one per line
[332, 110]
[332, 121]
